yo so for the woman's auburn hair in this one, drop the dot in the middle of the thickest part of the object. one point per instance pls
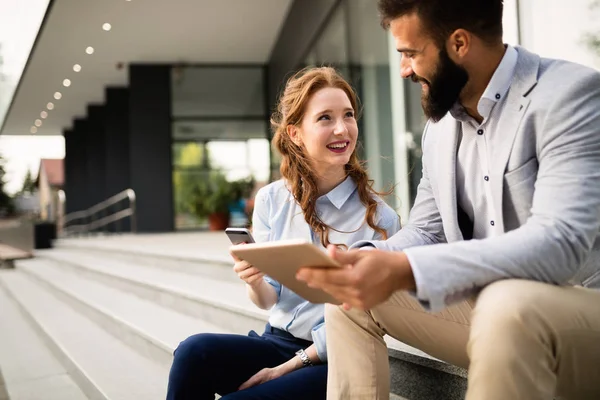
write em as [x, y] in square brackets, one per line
[295, 166]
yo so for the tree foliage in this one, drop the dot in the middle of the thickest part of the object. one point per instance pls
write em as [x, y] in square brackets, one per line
[592, 39]
[29, 186]
[6, 202]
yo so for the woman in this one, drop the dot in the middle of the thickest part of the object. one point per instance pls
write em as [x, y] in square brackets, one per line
[324, 196]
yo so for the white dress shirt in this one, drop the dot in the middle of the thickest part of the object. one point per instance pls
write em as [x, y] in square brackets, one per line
[476, 149]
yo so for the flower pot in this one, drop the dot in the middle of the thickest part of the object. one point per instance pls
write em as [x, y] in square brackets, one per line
[218, 221]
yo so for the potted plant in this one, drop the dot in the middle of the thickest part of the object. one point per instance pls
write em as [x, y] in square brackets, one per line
[213, 197]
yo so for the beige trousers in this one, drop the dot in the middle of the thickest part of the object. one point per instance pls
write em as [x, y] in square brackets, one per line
[519, 340]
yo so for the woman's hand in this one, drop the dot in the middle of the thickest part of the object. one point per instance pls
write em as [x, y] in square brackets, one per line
[260, 292]
[268, 374]
[246, 272]
[264, 375]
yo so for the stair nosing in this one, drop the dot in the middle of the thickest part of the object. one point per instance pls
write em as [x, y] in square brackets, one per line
[85, 382]
[104, 313]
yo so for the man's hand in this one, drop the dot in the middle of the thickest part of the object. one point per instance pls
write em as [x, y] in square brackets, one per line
[368, 278]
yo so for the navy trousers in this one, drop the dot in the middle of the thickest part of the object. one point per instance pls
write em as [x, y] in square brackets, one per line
[208, 363]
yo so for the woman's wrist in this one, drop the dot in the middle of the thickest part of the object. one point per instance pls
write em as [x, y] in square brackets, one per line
[291, 365]
[257, 283]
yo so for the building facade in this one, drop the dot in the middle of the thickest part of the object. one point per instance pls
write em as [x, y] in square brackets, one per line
[176, 115]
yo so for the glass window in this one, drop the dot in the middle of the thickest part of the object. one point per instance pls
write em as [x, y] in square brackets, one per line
[218, 92]
[220, 146]
[331, 48]
[371, 77]
[203, 130]
[355, 44]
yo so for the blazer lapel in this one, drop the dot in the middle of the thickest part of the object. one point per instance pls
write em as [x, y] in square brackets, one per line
[446, 175]
[525, 78]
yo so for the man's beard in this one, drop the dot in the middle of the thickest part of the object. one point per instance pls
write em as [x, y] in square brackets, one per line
[444, 88]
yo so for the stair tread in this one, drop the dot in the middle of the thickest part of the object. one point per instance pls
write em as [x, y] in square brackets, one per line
[165, 325]
[213, 290]
[184, 246]
[230, 293]
[120, 372]
[29, 368]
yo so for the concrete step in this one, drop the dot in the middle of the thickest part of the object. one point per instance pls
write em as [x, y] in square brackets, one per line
[225, 304]
[102, 366]
[152, 330]
[211, 247]
[29, 369]
[200, 264]
[214, 301]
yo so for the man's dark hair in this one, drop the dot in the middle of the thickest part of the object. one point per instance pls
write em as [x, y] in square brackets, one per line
[440, 18]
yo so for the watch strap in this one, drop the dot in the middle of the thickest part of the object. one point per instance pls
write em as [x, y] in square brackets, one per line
[304, 358]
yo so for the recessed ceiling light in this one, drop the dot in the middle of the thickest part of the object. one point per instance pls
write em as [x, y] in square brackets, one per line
[76, 67]
[33, 129]
[106, 27]
[89, 50]
[38, 122]
[44, 114]
[58, 95]
[50, 106]
[67, 83]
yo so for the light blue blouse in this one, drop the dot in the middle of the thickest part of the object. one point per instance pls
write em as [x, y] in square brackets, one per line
[278, 216]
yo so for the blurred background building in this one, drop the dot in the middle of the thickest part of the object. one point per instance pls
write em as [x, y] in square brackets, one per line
[172, 99]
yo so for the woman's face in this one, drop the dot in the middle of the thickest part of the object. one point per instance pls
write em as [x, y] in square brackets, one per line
[328, 130]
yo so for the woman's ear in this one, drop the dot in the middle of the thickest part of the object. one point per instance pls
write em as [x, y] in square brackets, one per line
[294, 134]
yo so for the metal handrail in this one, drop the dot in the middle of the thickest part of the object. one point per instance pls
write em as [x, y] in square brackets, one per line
[94, 221]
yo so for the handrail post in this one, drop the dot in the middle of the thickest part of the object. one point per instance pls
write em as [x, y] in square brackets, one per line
[60, 218]
[132, 206]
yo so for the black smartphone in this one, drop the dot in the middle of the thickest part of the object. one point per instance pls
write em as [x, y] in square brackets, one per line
[239, 235]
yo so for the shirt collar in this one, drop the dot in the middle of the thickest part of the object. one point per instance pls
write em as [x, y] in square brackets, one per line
[500, 82]
[341, 193]
[496, 88]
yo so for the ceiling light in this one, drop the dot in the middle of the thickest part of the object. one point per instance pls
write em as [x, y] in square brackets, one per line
[44, 114]
[33, 129]
[89, 50]
[76, 67]
[57, 95]
[67, 83]
[50, 106]
[106, 27]
[38, 122]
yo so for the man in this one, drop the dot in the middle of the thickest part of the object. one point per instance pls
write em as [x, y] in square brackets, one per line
[498, 267]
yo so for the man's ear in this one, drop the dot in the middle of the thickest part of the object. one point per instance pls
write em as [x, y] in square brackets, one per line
[294, 134]
[459, 43]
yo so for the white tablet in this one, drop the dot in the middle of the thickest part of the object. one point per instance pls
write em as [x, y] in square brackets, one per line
[282, 259]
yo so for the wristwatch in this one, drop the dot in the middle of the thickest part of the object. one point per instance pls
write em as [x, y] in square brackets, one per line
[305, 358]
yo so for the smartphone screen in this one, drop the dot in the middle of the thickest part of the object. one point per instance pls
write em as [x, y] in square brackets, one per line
[239, 235]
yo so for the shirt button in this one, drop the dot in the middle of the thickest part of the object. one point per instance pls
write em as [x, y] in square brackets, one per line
[480, 132]
[492, 223]
[486, 178]
[498, 96]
